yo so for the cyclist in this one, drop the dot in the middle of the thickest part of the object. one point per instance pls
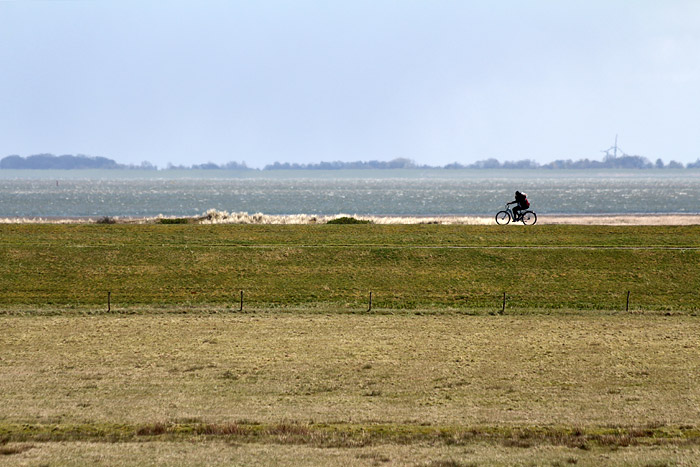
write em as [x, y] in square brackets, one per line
[522, 204]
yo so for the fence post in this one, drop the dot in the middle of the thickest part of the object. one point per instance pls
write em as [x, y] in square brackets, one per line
[370, 301]
[503, 310]
[109, 302]
[241, 308]
[627, 307]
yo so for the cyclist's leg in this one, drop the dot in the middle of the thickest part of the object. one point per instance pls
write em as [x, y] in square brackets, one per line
[516, 212]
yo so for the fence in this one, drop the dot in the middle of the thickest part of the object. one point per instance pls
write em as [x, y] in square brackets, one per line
[624, 300]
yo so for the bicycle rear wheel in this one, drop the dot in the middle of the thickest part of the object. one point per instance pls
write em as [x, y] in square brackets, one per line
[529, 218]
[502, 217]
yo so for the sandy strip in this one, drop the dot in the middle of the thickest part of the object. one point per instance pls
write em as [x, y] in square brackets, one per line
[553, 219]
[626, 219]
[218, 217]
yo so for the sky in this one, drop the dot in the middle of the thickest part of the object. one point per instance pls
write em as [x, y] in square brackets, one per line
[435, 81]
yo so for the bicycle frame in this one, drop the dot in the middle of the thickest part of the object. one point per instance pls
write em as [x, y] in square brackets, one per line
[509, 210]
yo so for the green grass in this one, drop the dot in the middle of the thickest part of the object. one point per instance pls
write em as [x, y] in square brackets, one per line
[464, 268]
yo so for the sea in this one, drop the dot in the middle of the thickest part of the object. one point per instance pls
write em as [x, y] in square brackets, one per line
[412, 192]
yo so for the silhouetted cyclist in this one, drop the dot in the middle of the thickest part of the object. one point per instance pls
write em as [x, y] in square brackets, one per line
[522, 204]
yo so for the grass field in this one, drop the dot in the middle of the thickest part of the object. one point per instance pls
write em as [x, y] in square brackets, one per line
[436, 376]
[405, 267]
[457, 387]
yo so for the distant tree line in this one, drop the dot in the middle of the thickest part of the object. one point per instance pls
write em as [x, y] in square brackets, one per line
[400, 163]
[80, 161]
[67, 162]
[211, 166]
[609, 162]
[49, 161]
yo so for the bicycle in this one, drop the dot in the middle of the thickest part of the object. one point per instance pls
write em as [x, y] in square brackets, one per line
[505, 216]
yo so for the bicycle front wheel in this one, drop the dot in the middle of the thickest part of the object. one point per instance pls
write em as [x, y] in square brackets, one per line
[529, 218]
[502, 217]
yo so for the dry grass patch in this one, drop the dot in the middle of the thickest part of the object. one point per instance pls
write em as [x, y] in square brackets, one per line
[315, 389]
[442, 370]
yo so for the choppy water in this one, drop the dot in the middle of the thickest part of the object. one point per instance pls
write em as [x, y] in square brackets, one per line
[378, 192]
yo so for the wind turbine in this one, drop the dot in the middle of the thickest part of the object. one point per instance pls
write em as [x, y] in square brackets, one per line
[614, 150]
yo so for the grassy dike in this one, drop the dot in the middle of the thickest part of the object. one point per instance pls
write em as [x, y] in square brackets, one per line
[406, 267]
[434, 377]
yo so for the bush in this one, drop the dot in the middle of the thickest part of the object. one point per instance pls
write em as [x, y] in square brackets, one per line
[177, 220]
[348, 220]
[106, 220]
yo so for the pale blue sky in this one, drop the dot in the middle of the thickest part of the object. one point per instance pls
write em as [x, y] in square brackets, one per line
[306, 81]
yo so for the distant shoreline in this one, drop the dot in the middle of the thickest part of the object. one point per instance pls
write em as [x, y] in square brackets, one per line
[82, 162]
